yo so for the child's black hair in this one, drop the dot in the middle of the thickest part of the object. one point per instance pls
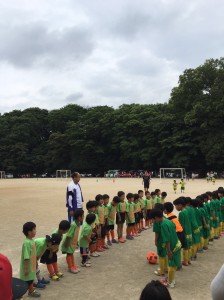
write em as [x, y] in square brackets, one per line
[157, 190]
[116, 199]
[90, 218]
[64, 225]
[78, 213]
[209, 194]
[194, 203]
[164, 194]
[90, 204]
[155, 290]
[221, 190]
[147, 192]
[204, 196]
[105, 196]
[187, 200]
[153, 193]
[168, 206]
[215, 195]
[98, 197]
[180, 200]
[54, 239]
[159, 206]
[140, 191]
[156, 212]
[120, 193]
[29, 226]
[129, 195]
[136, 197]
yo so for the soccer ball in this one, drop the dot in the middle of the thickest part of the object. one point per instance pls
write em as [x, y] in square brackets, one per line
[152, 257]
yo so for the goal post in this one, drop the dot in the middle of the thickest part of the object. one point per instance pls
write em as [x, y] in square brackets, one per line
[172, 173]
[60, 174]
[2, 175]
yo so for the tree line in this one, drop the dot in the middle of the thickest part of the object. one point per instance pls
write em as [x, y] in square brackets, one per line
[187, 131]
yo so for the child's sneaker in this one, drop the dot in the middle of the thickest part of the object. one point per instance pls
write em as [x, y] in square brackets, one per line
[158, 273]
[109, 243]
[59, 274]
[106, 247]
[54, 277]
[129, 237]
[34, 294]
[86, 264]
[97, 253]
[94, 254]
[121, 240]
[114, 241]
[39, 285]
[74, 270]
[45, 281]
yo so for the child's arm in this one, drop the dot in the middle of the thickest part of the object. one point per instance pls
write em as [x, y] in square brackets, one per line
[26, 267]
[88, 238]
[156, 238]
[67, 242]
[169, 252]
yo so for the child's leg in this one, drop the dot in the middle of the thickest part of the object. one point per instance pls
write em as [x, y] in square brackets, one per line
[112, 234]
[162, 265]
[69, 260]
[171, 274]
[50, 269]
[108, 235]
[118, 231]
[185, 256]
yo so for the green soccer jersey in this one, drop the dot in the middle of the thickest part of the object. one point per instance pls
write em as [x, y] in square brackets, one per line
[217, 212]
[205, 228]
[121, 207]
[161, 246]
[148, 204]
[168, 234]
[137, 207]
[130, 216]
[28, 253]
[222, 208]
[105, 211]
[194, 225]
[41, 246]
[72, 235]
[142, 203]
[111, 213]
[85, 232]
[185, 223]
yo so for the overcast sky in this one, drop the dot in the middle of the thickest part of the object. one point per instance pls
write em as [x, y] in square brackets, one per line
[102, 52]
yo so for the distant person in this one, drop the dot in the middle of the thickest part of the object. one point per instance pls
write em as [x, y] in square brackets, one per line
[182, 185]
[74, 198]
[146, 180]
[175, 184]
[155, 290]
[217, 285]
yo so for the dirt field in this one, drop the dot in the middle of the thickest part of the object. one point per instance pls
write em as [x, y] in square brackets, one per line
[122, 271]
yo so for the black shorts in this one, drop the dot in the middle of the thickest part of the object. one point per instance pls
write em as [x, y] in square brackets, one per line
[131, 224]
[84, 251]
[103, 231]
[141, 215]
[148, 214]
[45, 259]
[110, 227]
[137, 218]
[146, 185]
[181, 238]
[122, 215]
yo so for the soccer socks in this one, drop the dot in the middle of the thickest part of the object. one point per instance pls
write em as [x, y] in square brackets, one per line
[50, 269]
[69, 261]
[171, 274]
[162, 265]
[55, 266]
[108, 235]
[185, 256]
[112, 234]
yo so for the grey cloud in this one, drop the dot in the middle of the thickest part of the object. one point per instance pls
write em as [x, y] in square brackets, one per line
[73, 98]
[25, 45]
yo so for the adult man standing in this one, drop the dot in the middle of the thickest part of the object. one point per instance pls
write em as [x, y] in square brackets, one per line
[146, 180]
[74, 198]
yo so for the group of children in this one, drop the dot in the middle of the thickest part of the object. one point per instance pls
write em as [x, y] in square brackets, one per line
[182, 186]
[93, 236]
[200, 221]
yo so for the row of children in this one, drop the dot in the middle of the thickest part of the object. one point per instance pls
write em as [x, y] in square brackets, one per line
[199, 222]
[99, 224]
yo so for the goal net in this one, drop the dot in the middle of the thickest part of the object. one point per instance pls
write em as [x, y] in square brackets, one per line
[167, 175]
[60, 174]
[2, 174]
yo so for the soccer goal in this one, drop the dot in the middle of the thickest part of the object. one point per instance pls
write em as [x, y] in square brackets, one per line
[171, 173]
[2, 175]
[60, 174]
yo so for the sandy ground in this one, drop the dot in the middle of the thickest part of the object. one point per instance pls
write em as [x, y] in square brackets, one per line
[122, 271]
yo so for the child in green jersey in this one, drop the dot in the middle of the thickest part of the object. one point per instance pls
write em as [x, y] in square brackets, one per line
[130, 216]
[205, 224]
[210, 207]
[100, 217]
[42, 245]
[182, 186]
[104, 227]
[163, 197]
[215, 205]
[175, 184]
[186, 225]
[171, 243]
[148, 208]
[153, 199]
[91, 208]
[221, 196]
[85, 239]
[142, 206]
[213, 180]
[112, 208]
[120, 216]
[70, 240]
[158, 196]
[28, 258]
